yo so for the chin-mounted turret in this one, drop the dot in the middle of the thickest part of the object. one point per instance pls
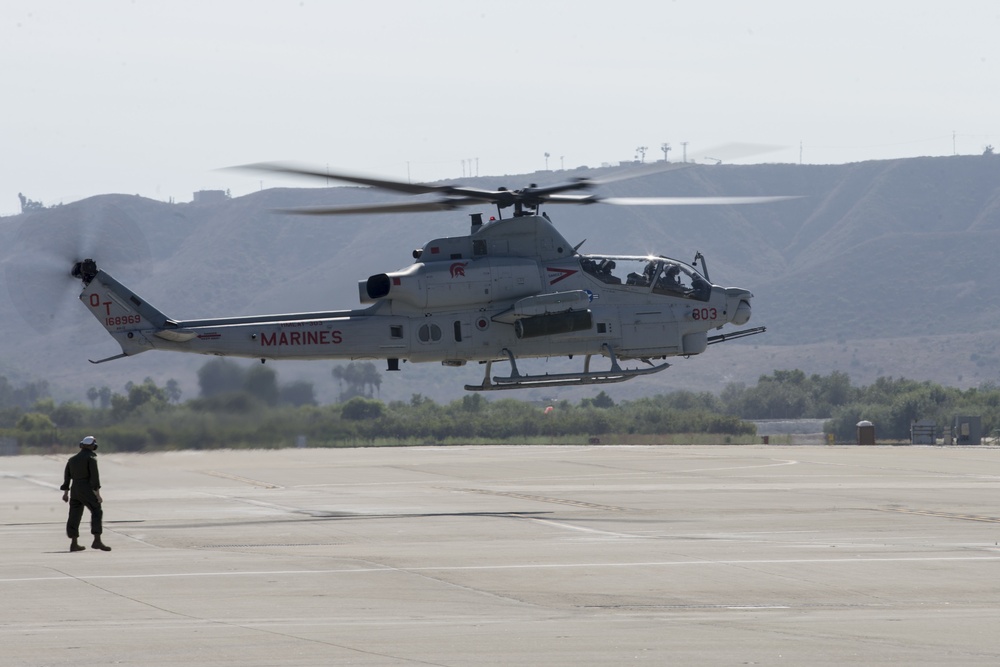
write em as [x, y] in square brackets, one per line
[738, 305]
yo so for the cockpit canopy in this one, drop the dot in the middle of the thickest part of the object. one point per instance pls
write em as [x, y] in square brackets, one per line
[660, 275]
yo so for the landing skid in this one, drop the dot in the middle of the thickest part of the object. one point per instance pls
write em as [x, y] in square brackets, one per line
[518, 381]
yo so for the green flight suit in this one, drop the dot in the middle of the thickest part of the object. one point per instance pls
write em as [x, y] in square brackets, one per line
[81, 469]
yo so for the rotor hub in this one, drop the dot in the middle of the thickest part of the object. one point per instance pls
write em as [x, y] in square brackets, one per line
[85, 271]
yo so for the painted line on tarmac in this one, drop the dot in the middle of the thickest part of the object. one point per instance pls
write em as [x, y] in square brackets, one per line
[943, 515]
[523, 566]
[237, 478]
[29, 479]
[542, 499]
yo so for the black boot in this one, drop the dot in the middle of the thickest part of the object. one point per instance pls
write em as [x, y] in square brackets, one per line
[99, 545]
[75, 546]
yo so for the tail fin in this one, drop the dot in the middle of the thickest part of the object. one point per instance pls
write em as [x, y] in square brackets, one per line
[126, 317]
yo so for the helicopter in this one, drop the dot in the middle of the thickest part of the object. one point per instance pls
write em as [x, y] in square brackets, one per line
[512, 288]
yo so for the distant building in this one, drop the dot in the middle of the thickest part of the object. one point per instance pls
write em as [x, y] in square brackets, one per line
[210, 196]
[923, 432]
[968, 430]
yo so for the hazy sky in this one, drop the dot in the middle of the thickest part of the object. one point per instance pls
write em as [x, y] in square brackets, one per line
[152, 98]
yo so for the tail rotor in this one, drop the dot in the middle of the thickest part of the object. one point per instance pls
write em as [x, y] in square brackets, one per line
[50, 254]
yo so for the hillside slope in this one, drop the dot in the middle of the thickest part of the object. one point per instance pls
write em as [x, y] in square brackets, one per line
[879, 266]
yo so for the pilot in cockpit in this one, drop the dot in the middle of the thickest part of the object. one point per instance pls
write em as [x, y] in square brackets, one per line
[604, 272]
[701, 289]
[671, 277]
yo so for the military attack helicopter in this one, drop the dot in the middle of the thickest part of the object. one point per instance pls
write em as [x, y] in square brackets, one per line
[513, 288]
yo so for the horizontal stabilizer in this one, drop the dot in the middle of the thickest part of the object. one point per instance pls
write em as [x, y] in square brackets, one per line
[176, 335]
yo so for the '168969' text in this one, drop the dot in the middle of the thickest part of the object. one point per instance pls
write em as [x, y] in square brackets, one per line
[122, 320]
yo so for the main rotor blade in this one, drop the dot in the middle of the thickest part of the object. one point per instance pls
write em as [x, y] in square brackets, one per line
[663, 201]
[313, 172]
[731, 151]
[691, 201]
[401, 207]
[456, 195]
[371, 181]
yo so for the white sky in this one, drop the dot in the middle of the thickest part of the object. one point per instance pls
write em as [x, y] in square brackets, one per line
[153, 97]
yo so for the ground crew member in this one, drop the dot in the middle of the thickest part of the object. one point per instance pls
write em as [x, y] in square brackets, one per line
[85, 491]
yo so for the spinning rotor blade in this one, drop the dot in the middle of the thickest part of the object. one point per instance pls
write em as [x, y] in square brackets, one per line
[401, 207]
[663, 201]
[371, 181]
[529, 198]
[312, 172]
[690, 201]
[732, 151]
[48, 244]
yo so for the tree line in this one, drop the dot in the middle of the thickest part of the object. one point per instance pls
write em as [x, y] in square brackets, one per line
[892, 404]
[239, 406]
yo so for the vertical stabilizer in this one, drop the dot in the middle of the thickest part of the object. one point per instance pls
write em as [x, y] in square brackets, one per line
[119, 310]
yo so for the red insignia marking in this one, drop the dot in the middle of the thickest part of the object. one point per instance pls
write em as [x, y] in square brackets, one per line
[563, 274]
[458, 269]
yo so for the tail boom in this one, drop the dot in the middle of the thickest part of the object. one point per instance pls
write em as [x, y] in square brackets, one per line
[137, 326]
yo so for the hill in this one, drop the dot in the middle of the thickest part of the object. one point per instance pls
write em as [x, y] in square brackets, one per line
[880, 268]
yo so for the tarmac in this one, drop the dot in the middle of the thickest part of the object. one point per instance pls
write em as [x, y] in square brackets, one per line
[530, 555]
